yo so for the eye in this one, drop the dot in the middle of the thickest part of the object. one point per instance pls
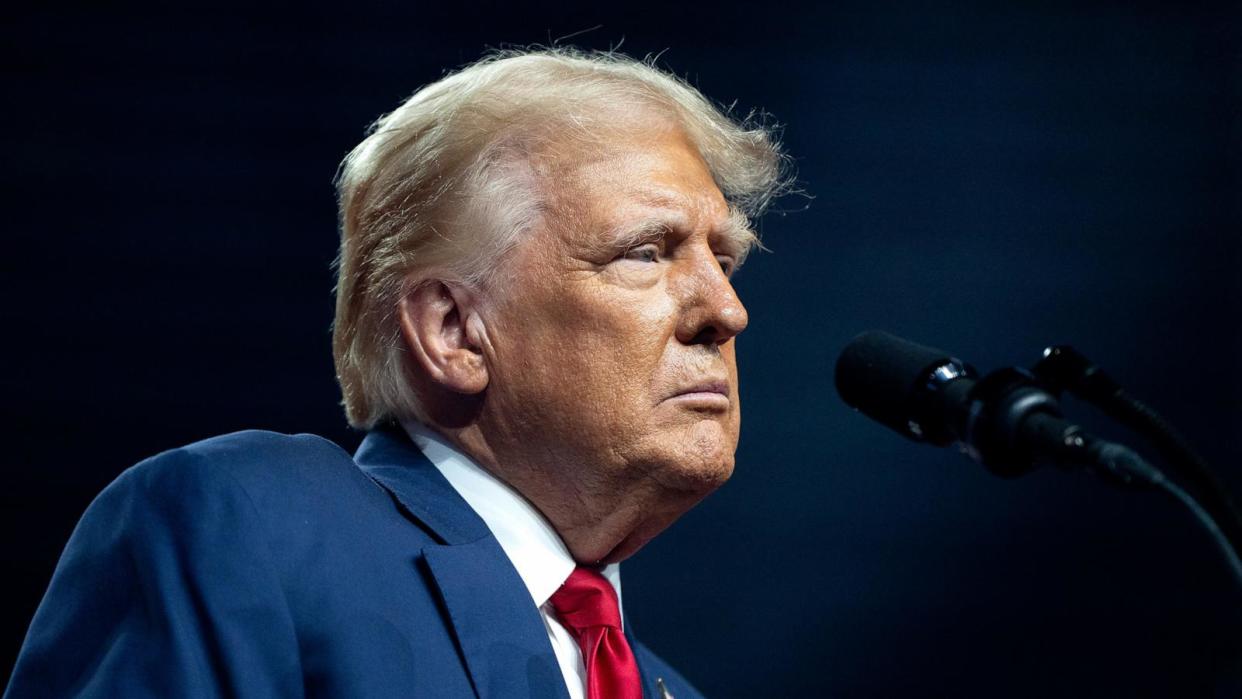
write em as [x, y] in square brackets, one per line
[643, 253]
[727, 265]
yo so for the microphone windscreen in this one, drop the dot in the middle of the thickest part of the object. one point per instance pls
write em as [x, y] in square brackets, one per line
[882, 376]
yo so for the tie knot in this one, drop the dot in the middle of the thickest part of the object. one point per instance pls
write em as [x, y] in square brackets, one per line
[586, 599]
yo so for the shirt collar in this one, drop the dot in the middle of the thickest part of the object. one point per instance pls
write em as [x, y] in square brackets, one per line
[537, 552]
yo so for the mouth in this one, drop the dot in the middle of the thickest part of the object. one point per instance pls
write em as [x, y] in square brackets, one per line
[709, 394]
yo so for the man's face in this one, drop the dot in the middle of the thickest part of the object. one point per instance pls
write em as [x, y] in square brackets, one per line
[612, 347]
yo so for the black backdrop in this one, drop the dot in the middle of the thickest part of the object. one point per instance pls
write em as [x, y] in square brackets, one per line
[987, 179]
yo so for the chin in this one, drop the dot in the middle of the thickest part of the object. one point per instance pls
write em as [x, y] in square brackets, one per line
[692, 485]
[703, 459]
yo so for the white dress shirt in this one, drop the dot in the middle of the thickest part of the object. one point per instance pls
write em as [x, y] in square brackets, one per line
[528, 539]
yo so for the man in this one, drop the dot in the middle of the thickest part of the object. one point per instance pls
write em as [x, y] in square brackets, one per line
[535, 324]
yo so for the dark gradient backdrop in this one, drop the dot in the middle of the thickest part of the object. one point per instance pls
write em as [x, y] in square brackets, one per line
[986, 179]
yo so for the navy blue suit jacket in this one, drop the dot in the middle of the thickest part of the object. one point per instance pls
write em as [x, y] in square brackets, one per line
[265, 565]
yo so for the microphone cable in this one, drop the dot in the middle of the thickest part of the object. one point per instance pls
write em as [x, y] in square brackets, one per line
[1063, 368]
[1010, 421]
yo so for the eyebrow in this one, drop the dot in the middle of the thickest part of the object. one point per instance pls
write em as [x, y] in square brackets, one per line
[735, 232]
[645, 230]
[740, 235]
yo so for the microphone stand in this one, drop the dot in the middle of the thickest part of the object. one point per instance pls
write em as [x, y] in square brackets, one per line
[1010, 421]
[1063, 368]
[1120, 464]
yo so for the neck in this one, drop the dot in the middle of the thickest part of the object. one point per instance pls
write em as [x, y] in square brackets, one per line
[600, 519]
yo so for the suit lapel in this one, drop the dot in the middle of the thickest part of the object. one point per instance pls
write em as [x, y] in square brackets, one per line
[499, 629]
[648, 681]
[502, 635]
[392, 461]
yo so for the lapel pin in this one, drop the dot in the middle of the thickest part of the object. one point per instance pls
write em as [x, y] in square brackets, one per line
[663, 690]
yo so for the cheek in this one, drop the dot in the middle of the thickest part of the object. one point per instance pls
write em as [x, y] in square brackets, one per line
[590, 357]
[624, 349]
[734, 380]
[622, 337]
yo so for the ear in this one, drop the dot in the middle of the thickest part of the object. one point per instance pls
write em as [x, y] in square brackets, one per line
[442, 331]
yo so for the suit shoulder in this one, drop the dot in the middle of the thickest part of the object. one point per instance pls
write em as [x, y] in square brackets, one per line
[146, 592]
[267, 468]
[260, 449]
[251, 455]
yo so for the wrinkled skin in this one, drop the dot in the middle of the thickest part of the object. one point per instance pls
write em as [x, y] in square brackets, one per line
[611, 398]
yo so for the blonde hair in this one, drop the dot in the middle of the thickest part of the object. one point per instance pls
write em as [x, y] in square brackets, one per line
[443, 186]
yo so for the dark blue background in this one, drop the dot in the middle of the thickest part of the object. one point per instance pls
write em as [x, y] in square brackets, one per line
[987, 179]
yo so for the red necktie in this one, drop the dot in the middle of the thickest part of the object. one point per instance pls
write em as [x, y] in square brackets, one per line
[587, 605]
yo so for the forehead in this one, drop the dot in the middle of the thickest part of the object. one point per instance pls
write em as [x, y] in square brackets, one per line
[646, 174]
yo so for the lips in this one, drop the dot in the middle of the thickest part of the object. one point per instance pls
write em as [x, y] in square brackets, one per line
[709, 394]
[712, 386]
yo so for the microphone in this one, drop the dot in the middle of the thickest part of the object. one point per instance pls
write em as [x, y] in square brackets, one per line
[1007, 420]
[1011, 422]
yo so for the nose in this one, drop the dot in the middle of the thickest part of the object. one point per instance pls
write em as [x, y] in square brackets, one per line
[711, 312]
